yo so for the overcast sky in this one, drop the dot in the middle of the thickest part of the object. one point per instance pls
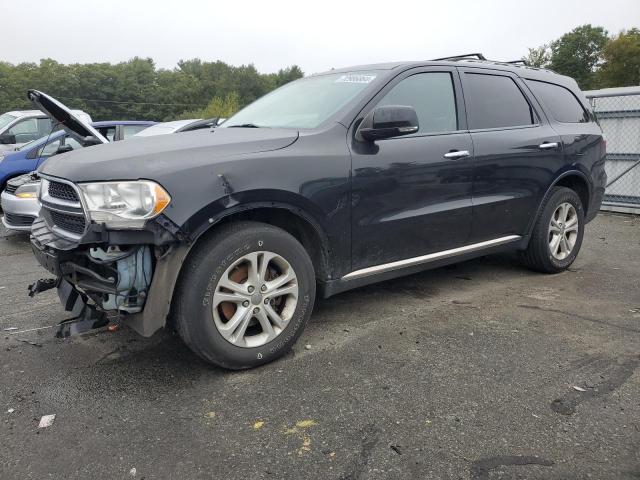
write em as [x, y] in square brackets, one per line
[273, 34]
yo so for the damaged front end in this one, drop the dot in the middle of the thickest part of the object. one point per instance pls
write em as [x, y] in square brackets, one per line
[105, 275]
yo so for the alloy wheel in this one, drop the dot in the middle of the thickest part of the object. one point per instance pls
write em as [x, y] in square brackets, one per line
[563, 231]
[254, 299]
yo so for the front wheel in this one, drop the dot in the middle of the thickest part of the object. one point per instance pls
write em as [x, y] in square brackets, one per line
[557, 235]
[245, 296]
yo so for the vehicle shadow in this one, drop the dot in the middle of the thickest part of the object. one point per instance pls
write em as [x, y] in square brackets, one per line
[164, 354]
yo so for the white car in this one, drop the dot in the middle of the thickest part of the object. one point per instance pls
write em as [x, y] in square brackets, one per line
[21, 126]
[178, 126]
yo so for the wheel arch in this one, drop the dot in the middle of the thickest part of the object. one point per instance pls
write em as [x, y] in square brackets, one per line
[573, 179]
[294, 220]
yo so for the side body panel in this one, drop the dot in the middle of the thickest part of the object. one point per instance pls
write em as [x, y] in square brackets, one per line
[511, 171]
[583, 149]
[408, 199]
[310, 178]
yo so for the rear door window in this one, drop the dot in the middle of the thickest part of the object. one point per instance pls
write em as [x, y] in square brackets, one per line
[495, 101]
[559, 101]
[432, 96]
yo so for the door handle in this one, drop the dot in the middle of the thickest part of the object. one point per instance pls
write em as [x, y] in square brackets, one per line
[456, 154]
[548, 145]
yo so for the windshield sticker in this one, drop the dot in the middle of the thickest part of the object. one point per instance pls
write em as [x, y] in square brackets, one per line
[355, 78]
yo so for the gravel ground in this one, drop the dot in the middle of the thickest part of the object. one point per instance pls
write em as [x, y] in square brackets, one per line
[478, 371]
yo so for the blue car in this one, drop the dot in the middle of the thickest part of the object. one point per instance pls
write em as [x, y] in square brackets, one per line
[29, 156]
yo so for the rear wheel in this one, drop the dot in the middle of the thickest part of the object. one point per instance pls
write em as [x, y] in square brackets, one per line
[246, 295]
[557, 234]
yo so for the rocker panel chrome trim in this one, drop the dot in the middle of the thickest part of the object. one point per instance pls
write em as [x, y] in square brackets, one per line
[431, 257]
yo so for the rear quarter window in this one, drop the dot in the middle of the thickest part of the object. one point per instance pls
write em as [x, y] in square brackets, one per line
[560, 102]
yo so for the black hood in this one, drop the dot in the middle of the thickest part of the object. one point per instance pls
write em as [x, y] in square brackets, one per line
[59, 112]
[164, 155]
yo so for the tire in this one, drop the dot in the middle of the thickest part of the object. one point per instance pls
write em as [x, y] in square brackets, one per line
[227, 258]
[538, 255]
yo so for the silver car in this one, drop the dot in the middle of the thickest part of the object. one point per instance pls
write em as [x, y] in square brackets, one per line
[21, 126]
[19, 199]
[20, 203]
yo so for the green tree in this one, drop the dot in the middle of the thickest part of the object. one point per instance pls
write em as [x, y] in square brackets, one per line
[137, 89]
[578, 53]
[223, 107]
[538, 57]
[621, 55]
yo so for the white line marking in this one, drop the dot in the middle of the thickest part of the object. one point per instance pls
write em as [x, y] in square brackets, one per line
[32, 330]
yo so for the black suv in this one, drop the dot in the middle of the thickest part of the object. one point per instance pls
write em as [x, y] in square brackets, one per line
[331, 182]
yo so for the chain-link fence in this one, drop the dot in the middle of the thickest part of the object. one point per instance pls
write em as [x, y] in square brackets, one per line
[618, 111]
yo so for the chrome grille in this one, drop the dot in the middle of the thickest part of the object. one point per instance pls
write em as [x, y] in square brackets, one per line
[62, 209]
[10, 188]
[63, 191]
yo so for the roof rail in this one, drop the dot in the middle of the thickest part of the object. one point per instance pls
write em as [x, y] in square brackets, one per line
[478, 56]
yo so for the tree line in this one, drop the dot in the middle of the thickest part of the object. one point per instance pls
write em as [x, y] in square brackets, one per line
[592, 57]
[137, 89]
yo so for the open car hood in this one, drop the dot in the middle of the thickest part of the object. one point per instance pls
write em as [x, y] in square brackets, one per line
[58, 112]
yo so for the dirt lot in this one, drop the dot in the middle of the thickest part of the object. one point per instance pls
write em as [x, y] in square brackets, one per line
[462, 372]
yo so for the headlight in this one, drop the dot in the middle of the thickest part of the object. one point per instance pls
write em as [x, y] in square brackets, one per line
[28, 190]
[124, 204]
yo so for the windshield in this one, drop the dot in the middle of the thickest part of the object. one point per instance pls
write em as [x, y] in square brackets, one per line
[305, 103]
[6, 119]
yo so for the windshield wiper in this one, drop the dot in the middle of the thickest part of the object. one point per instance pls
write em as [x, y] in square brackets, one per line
[245, 125]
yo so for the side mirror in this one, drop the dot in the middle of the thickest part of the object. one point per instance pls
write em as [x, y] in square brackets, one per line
[63, 149]
[389, 121]
[89, 141]
[7, 139]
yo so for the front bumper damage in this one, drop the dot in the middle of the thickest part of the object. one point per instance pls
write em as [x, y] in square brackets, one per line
[113, 276]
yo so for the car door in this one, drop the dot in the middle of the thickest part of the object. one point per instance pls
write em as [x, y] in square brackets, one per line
[516, 152]
[29, 129]
[411, 195]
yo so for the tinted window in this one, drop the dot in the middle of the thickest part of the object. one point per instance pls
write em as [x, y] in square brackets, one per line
[495, 101]
[561, 103]
[432, 96]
